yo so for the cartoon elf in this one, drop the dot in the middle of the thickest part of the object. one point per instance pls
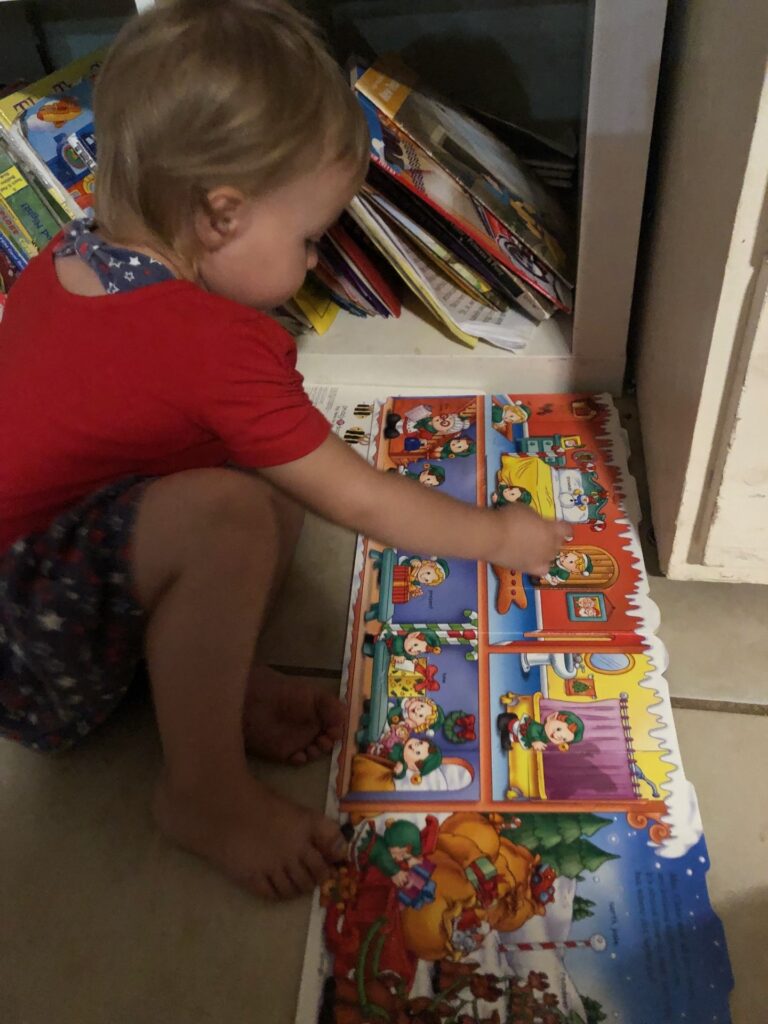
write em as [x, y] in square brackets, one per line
[587, 607]
[405, 646]
[394, 852]
[568, 563]
[421, 425]
[424, 572]
[503, 417]
[417, 756]
[415, 644]
[418, 714]
[430, 476]
[456, 448]
[508, 494]
[559, 727]
[405, 717]
[412, 760]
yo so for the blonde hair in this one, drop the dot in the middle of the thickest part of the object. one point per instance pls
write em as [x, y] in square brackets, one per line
[434, 713]
[196, 94]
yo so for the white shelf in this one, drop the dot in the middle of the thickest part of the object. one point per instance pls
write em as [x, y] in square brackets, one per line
[414, 349]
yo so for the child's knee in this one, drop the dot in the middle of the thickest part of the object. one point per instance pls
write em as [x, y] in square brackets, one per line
[209, 501]
[228, 499]
[201, 513]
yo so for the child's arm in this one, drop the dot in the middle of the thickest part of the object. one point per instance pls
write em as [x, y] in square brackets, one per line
[340, 486]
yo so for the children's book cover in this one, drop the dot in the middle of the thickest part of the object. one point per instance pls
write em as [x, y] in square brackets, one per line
[60, 130]
[506, 190]
[524, 845]
[50, 122]
[402, 160]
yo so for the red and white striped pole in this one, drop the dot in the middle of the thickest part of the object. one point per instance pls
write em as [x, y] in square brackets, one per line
[595, 942]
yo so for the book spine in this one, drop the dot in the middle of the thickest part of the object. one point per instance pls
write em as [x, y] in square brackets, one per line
[497, 254]
[18, 146]
[12, 229]
[25, 204]
[12, 254]
[507, 285]
[11, 155]
[464, 246]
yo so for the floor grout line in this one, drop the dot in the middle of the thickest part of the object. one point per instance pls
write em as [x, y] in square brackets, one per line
[733, 707]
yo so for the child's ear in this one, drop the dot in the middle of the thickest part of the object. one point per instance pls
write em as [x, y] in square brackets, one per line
[220, 218]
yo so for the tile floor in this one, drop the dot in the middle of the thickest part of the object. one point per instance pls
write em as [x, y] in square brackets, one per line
[102, 922]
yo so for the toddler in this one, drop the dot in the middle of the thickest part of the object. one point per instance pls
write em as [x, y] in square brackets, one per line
[160, 447]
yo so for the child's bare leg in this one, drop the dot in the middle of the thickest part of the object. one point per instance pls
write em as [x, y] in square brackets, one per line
[289, 717]
[205, 559]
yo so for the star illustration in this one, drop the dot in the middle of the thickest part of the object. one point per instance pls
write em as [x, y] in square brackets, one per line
[51, 621]
[134, 261]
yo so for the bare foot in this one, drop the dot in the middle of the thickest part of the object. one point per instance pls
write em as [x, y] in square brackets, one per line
[273, 848]
[290, 718]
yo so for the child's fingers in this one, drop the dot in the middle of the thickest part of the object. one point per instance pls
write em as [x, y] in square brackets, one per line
[564, 531]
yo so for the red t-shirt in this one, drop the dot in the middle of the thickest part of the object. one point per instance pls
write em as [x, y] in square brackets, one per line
[149, 382]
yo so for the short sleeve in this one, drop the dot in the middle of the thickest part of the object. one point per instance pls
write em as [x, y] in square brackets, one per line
[254, 399]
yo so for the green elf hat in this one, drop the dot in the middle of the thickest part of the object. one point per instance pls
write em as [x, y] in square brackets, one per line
[441, 562]
[403, 833]
[395, 713]
[588, 567]
[525, 495]
[573, 720]
[436, 471]
[446, 453]
[432, 761]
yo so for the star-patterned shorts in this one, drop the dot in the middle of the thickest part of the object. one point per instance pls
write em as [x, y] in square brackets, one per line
[71, 629]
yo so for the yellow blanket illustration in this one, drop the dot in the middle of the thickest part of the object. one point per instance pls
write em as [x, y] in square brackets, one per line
[533, 474]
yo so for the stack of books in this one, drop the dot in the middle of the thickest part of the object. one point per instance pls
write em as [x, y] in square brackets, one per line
[47, 162]
[467, 225]
[447, 207]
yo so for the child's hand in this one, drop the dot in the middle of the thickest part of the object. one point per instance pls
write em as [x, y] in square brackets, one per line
[335, 482]
[528, 543]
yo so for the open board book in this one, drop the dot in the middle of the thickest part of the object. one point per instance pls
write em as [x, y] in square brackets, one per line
[524, 845]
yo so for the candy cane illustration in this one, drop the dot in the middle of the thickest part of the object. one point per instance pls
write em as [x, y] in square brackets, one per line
[595, 942]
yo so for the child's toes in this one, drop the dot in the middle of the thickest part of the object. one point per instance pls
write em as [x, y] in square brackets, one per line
[331, 712]
[328, 839]
[317, 866]
[300, 876]
[282, 884]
